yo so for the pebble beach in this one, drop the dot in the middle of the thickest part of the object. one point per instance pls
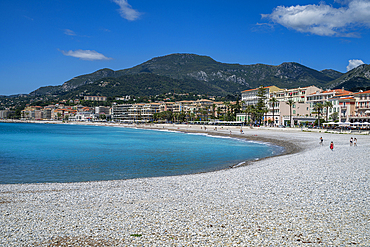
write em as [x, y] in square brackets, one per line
[309, 196]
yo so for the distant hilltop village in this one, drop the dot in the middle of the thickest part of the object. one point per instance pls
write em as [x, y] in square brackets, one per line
[271, 106]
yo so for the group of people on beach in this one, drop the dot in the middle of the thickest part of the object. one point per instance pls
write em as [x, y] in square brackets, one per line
[352, 142]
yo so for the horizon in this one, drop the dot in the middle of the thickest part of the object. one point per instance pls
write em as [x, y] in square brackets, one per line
[49, 43]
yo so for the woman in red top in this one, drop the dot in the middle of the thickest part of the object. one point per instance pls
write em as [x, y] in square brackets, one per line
[331, 146]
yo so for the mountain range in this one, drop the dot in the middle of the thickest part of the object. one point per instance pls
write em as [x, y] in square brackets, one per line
[184, 73]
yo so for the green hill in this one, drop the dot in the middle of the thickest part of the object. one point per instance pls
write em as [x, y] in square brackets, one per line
[354, 80]
[231, 76]
[144, 84]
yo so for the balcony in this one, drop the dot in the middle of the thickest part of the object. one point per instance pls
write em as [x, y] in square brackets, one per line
[363, 108]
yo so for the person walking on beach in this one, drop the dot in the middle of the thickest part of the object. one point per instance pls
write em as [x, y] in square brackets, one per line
[355, 142]
[350, 141]
[321, 141]
[331, 146]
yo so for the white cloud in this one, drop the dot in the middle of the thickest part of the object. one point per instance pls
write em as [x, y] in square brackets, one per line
[69, 32]
[324, 19]
[354, 63]
[127, 11]
[86, 55]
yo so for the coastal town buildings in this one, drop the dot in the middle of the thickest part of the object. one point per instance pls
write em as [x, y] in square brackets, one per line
[249, 97]
[362, 107]
[4, 114]
[345, 107]
[279, 112]
[332, 96]
[119, 112]
[299, 111]
[95, 98]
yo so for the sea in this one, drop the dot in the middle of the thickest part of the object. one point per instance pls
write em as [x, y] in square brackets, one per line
[59, 153]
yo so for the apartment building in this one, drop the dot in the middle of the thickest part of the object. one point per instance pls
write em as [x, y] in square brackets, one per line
[249, 97]
[120, 112]
[5, 113]
[332, 95]
[279, 112]
[148, 110]
[300, 110]
[95, 98]
[362, 103]
[102, 110]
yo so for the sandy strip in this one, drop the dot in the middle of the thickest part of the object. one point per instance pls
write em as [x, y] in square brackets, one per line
[310, 196]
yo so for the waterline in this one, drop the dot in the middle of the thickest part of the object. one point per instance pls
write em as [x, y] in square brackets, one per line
[34, 153]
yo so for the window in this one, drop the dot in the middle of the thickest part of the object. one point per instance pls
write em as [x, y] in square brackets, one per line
[293, 111]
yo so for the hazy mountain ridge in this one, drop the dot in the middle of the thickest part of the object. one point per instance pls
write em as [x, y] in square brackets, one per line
[219, 77]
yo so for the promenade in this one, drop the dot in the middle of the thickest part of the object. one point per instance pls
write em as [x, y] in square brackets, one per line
[310, 196]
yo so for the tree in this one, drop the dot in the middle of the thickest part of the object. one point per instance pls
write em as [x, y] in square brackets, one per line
[166, 115]
[250, 110]
[226, 114]
[265, 111]
[290, 102]
[334, 116]
[327, 105]
[318, 107]
[213, 111]
[260, 107]
[237, 106]
[273, 101]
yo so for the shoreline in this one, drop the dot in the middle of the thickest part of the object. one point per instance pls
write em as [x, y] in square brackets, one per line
[312, 195]
[289, 147]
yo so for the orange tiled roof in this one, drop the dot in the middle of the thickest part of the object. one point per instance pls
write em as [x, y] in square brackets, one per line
[346, 98]
[365, 92]
[338, 91]
[254, 89]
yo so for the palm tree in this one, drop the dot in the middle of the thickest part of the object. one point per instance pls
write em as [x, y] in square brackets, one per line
[265, 111]
[273, 101]
[248, 110]
[327, 105]
[251, 110]
[290, 102]
[318, 107]
[213, 111]
[226, 115]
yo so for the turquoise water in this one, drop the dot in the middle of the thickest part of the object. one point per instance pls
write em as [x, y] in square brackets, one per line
[38, 153]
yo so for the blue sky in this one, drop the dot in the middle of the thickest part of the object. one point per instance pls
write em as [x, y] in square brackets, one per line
[47, 42]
